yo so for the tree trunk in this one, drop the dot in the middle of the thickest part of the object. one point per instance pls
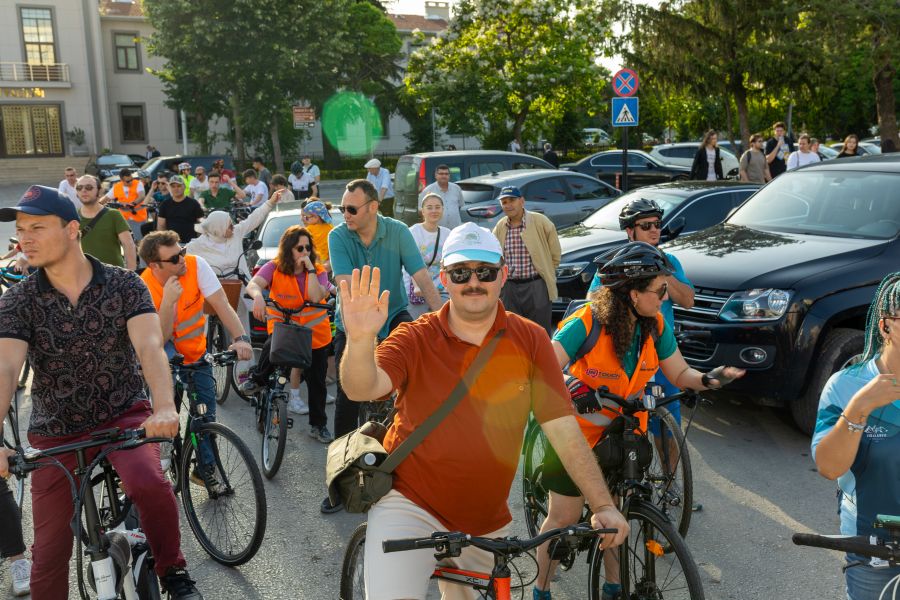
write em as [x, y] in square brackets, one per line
[276, 147]
[238, 132]
[885, 100]
[740, 100]
[518, 125]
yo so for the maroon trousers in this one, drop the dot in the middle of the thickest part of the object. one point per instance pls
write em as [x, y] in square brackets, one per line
[52, 506]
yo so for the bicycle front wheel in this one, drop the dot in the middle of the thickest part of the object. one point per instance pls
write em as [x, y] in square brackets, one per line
[642, 566]
[274, 434]
[11, 440]
[535, 497]
[217, 341]
[353, 584]
[670, 474]
[227, 513]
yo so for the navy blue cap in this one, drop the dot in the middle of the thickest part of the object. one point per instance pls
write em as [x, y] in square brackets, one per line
[510, 191]
[40, 200]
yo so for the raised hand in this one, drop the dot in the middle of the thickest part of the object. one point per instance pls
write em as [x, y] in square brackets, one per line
[363, 311]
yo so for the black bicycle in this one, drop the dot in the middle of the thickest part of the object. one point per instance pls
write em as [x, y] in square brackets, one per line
[642, 474]
[10, 425]
[224, 500]
[120, 561]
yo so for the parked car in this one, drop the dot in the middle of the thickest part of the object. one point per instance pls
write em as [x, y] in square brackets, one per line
[139, 159]
[783, 285]
[154, 166]
[105, 166]
[864, 147]
[736, 149]
[688, 206]
[683, 154]
[642, 168]
[826, 152]
[565, 198]
[594, 136]
[415, 171]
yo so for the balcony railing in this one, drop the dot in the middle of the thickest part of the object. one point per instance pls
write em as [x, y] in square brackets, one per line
[17, 71]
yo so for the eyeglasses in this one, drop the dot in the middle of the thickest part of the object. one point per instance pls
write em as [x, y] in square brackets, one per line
[301, 248]
[661, 292]
[78, 188]
[649, 225]
[174, 260]
[352, 210]
[462, 275]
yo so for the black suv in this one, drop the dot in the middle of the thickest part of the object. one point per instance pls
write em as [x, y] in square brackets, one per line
[783, 285]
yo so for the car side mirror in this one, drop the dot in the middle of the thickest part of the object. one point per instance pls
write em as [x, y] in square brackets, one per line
[675, 227]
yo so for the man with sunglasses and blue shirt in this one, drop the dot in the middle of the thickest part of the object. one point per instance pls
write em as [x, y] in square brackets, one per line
[367, 238]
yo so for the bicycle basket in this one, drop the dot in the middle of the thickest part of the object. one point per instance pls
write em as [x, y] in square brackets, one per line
[611, 451]
[291, 346]
[232, 289]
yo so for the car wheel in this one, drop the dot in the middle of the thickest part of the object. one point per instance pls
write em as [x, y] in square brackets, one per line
[842, 348]
[680, 178]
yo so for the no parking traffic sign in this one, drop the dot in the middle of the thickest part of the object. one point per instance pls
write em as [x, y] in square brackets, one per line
[625, 82]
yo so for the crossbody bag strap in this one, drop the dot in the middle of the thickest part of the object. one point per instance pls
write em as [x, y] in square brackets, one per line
[437, 243]
[93, 223]
[409, 444]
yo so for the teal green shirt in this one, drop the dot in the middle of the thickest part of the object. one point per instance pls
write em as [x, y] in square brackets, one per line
[392, 250]
[573, 334]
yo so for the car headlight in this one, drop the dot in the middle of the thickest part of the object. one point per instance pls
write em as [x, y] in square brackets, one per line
[756, 305]
[569, 270]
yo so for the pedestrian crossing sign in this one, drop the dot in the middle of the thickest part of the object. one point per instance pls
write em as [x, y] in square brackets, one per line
[625, 112]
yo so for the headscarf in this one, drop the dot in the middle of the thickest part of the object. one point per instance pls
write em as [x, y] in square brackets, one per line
[296, 168]
[215, 226]
[319, 209]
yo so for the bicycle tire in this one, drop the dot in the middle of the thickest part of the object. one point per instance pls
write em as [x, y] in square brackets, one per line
[147, 583]
[274, 438]
[246, 508]
[673, 493]
[642, 559]
[217, 341]
[353, 585]
[535, 497]
[171, 464]
[11, 439]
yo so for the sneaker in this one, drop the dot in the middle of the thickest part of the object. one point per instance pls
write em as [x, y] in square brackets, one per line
[611, 591]
[20, 572]
[329, 399]
[297, 406]
[215, 486]
[537, 594]
[321, 433]
[179, 585]
[327, 507]
[250, 387]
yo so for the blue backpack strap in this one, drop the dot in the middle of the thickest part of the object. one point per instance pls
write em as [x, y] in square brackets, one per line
[590, 341]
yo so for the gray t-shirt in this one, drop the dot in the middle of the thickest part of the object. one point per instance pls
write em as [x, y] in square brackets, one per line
[754, 163]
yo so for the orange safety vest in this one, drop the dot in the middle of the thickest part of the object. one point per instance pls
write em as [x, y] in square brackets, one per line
[128, 196]
[189, 328]
[285, 290]
[600, 367]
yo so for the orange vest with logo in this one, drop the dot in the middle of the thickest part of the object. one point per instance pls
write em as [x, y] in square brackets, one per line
[189, 328]
[601, 367]
[285, 290]
[128, 196]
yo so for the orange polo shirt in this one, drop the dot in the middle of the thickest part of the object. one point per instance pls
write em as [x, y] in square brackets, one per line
[462, 472]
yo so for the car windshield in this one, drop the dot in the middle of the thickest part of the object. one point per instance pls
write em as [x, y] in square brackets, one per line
[113, 159]
[826, 202]
[607, 217]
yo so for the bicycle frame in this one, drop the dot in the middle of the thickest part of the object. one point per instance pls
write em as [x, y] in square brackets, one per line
[497, 587]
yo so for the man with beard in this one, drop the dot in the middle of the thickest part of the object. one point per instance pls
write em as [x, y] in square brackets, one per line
[181, 213]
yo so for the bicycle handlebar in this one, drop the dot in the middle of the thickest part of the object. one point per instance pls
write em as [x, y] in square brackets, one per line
[224, 358]
[293, 311]
[629, 407]
[857, 544]
[497, 546]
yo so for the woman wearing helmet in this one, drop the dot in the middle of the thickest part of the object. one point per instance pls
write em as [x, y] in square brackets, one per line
[634, 342]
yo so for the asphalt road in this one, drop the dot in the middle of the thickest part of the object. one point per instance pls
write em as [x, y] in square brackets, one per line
[752, 472]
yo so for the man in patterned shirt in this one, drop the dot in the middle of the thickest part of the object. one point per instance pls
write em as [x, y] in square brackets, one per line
[80, 322]
[532, 252]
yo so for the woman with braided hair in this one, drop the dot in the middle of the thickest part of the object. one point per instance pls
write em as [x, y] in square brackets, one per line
[634, 341]
[857, 437]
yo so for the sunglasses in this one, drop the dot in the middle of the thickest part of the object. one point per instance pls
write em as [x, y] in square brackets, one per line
[650, 225]
[78, 188]
[301, 248]
[462, 275]
[352, 210]
[661, 292]
[174, 260]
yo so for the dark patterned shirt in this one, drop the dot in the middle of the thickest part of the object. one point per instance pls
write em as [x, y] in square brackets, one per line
[85, 368]
[516, 254]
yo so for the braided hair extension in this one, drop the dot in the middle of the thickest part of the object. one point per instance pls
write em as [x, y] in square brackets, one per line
[885, 303]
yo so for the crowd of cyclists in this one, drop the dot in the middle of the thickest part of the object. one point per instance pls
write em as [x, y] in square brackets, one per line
[111, 288]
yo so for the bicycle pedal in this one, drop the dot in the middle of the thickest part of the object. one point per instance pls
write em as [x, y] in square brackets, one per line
[290, 423]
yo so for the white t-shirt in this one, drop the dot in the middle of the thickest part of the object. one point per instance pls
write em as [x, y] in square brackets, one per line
[710, 164]
[312, 171]
[799, 159]
[198, 187]
[302, 183]
[68, 190]
[206, 278]
[254, 191]
[425, 243]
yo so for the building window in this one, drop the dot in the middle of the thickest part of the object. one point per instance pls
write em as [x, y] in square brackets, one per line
[134, 128]
[37, 36]
[125, 48]
[30, 130]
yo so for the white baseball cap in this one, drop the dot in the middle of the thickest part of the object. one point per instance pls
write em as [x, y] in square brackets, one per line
[469, 242]
[373, 163]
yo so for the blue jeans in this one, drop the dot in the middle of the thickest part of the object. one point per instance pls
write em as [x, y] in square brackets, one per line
[865, 582]
[199, 378]
[674, 408]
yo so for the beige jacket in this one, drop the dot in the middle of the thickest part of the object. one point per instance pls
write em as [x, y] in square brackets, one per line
[542, 243]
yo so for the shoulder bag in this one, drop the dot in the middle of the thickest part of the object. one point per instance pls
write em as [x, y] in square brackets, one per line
[86, 229]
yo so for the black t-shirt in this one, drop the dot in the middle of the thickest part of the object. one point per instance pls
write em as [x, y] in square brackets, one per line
[779, 165]
[551, 157]
[181, 217]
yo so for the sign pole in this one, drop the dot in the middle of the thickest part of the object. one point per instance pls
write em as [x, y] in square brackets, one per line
[624, 131]
[625, 112]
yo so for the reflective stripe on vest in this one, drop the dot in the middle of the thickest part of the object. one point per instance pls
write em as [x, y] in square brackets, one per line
[600, 367]
[128, 196]
[286, 291]
[189, 328]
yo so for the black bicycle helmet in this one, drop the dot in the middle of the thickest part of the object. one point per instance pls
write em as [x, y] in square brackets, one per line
[640, 208]
[635, 260]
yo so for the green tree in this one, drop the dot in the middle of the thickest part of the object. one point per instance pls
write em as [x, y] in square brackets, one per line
[504, 67]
